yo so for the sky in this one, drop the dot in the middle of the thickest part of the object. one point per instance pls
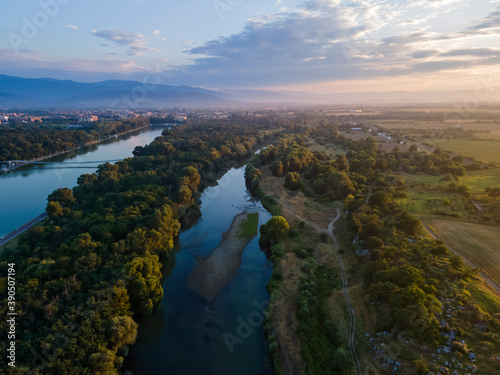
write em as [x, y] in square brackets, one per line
[316, 46]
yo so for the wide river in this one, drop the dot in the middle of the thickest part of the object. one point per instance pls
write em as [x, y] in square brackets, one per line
[23, 192]
[188, 335]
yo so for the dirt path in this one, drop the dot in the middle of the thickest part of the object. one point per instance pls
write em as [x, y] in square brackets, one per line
[345, 287]
[469, 263]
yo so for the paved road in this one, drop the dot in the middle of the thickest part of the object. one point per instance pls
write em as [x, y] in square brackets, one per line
[469, 263]
[352, 325]
[22, 229]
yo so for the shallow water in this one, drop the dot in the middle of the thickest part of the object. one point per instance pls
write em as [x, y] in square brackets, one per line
[189, 335]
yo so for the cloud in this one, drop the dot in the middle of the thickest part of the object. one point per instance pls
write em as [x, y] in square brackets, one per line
[37, 60]
[487, 25]
[478, 52]
[156, 32]
[72, 27]
[319, 40]
[134, 41]
[328, 40]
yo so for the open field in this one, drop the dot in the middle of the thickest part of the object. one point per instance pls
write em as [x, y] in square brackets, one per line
[329, 148]
[477, 181]
[427, 194]
[478, 243]
[492, 126]
[296, 202]
[486, 151]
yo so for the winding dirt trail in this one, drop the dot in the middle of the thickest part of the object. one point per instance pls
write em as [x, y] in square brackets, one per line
[345, 286]
[352, 325]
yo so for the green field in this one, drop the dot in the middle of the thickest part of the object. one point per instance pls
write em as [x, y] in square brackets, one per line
[427, 194]
[329, 148]
[478, 181]
[249, 226]
[486, 151]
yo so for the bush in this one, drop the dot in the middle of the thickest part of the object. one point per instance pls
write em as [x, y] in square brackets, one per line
[292, 181]
[275, 229]
[341, 360]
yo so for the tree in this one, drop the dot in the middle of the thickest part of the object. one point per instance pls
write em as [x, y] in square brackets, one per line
[185, 195]
[494, 192]
[63, 196]
[341, 162]
[292, 181]
[275, 229]
[374, 243]
[54, 210]
[341, 360]
[409, 224]
[381, 199]
[123, 332]
[193, 176]
[277, 168]
[458, 159]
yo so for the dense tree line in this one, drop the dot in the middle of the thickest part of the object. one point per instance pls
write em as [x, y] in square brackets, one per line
[405, 275]
[96, 262]
[33, 143]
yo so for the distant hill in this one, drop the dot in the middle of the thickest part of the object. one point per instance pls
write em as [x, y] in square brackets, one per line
[48, 92]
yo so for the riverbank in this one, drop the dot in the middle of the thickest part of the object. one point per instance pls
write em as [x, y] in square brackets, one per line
[5, 239]
[28, 162]
[214, 271]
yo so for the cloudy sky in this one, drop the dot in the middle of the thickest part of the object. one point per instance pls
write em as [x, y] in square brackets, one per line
[315, 46]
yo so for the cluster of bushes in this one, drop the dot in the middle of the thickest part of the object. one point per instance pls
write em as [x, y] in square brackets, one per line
[405, 274]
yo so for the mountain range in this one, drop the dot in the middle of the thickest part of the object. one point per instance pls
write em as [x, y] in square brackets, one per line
[16, 92]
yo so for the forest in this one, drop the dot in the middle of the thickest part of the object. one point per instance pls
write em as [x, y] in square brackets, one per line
[95, 264]
[33, 143]
[406, 277]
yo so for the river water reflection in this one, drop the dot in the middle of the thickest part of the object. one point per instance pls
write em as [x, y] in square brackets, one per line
[190, 335]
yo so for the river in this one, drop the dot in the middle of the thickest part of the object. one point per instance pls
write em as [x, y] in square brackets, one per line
[23, 192]
[189, 335]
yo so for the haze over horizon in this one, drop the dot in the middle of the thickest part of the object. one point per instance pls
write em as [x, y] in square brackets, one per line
[317, 46]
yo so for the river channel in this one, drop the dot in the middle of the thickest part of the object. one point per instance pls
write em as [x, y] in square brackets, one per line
[23, 192]
[190, 335]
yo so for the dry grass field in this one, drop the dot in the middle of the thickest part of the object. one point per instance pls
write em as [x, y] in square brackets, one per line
[478, 243]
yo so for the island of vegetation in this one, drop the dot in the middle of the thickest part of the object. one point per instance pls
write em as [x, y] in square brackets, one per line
[214, 271]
